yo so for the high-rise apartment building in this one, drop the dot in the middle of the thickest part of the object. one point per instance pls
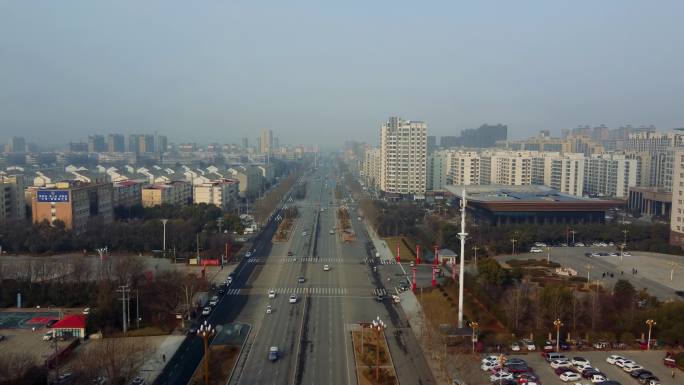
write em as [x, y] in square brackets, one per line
[371, 167]
[162, 144]
[116, 143]
[609, 175]
[677, 214]
[403, 151]
[96, 143]
[266, 141]
[564, 173]
[653, 142]
[17, 144]
[436, 171]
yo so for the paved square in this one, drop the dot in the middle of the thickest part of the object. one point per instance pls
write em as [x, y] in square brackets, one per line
[25, 320]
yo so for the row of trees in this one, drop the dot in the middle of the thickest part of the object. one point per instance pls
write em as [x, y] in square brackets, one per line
[136, 234]
[265, 206]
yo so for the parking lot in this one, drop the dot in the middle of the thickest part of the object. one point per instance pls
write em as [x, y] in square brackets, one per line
[653, 269]
[650, 360]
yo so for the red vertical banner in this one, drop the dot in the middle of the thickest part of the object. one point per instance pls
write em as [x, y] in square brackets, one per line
[417, 254]
[434, 278]
[435, 261]
[398, 258]
[414, 285]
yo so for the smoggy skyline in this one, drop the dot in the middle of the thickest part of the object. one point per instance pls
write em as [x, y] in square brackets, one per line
[318, 72]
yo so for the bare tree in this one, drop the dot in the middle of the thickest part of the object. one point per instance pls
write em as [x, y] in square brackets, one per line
[15, 366]
[117, 359]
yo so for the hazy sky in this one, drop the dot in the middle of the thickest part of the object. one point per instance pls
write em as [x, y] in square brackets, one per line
[326, 71]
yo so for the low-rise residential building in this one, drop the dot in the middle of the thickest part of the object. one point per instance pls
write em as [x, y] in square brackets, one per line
[12, 204]
[173, 193]
[75, 203]
[222, 193]
[127, 193]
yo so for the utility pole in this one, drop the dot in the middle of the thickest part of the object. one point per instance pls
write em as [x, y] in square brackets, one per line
[573, 232]
[625, 231]
[163, 221]
[461, 274]
[588, 270]
[124, 290]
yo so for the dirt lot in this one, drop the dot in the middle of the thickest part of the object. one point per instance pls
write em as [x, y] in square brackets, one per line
[27, 341]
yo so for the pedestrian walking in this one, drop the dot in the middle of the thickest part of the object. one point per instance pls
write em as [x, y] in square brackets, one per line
[164, 358]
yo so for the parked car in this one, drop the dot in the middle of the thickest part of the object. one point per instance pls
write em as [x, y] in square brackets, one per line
[515, 347]
[326, 267]
[138, 381]
[530, 346]
[500, 376]
[47, 336]
[598, 378]
[536, 250]
[630, 367]
[612, 358]
[570, 376]
[560, 371]
[301, 280]
[637, 373]
[560, 364]
[206, 311]
[669, 360]
[489, 366]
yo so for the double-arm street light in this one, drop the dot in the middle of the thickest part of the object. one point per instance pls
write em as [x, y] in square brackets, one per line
[650, 324]
[474, 325]
[206, 331]
[557, 323]
[378, 327]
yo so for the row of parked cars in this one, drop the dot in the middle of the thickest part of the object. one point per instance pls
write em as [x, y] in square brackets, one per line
[575, 369]
[636, 371]
[510, 371]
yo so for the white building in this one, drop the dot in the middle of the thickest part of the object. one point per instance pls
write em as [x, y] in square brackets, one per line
[564, 173]
[609, 175]
[221, 193]
[437, 170]
[371, 167]
[403, 153]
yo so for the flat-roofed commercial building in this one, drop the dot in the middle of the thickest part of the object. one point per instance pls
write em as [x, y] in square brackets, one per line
[502, 205]
[650, 201]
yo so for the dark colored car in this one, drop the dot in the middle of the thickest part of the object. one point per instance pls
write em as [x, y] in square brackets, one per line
[560, 371]
[646, 378]
[51, 322]
[589, 373]
[564, 346]
[222, 290]
[301, 279]
[289, 254]
[638, 373]
[516, 369]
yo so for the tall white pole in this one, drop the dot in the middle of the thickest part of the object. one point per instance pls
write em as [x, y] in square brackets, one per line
[163, 221]
[461, 273]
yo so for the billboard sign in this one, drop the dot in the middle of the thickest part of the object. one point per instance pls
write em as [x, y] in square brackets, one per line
[52, 196]
[209, 262]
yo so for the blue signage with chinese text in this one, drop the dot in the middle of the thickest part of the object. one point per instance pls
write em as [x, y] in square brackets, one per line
[52, 196]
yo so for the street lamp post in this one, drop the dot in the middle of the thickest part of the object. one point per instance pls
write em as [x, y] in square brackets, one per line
[573, 232]
[622, 250]
[206, 331]
[163, 221]
[102, 251]
[548, 255]
[474, 325]
[475, 249]
[625, 231]
[557, 323]
[378, 327]
[588, 270]
[513, 240]
[672, 267]
[650, 324]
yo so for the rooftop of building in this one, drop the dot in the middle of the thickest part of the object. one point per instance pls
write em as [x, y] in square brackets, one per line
[502, 193]
[74, 321]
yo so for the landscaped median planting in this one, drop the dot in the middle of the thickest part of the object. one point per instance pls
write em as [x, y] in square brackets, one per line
[371, 356]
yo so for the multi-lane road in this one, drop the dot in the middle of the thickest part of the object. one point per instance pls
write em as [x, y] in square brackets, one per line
[312, 334]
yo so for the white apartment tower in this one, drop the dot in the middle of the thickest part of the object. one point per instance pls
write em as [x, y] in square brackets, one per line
[609, 175]
[403, 152]
[677, 216]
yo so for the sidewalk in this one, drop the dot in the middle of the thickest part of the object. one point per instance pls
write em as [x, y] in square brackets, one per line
[156, 363]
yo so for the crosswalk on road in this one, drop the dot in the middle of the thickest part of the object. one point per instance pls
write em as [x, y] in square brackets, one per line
[313, 259]
[233, 292]
[254, 260]
[318, 291]
[381, 292]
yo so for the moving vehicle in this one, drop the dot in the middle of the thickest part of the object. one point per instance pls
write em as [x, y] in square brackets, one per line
[214, 301]
[293, 298]
[273, 354]
[332, 232]
[536, 250]
[269, 309]
[326, 267]
[271, 294]
[301, 280]
[206, 310]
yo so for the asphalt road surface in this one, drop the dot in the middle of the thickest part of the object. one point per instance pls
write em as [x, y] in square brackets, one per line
[312, 335]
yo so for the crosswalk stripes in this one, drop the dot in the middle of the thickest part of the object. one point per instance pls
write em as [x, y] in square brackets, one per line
[314, 291]
[388, 261]
[254, 260]
[313, 259]
[380, 292]
[233, 292]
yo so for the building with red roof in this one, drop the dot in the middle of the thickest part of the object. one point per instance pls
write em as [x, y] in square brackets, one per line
[72, 325]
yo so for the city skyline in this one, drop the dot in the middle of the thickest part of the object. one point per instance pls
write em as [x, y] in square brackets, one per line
[319, 75]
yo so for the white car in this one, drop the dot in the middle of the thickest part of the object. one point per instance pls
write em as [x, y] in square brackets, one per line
[579, 244]
[529, 345]
[631, 367]
[269, 309]
[490, 358]
[271, 294]
[47, 336]
[570, 376]
[580, 361]
[489, 366]
[293, 298]
[582, 367]
[560, 364]
[536, 250]
[206, 310]
[515, 347]
[612, 358]
[248, 254]
[326, 267]
[500, 376]
[596, 378]
[626, 254]
[621, 363]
